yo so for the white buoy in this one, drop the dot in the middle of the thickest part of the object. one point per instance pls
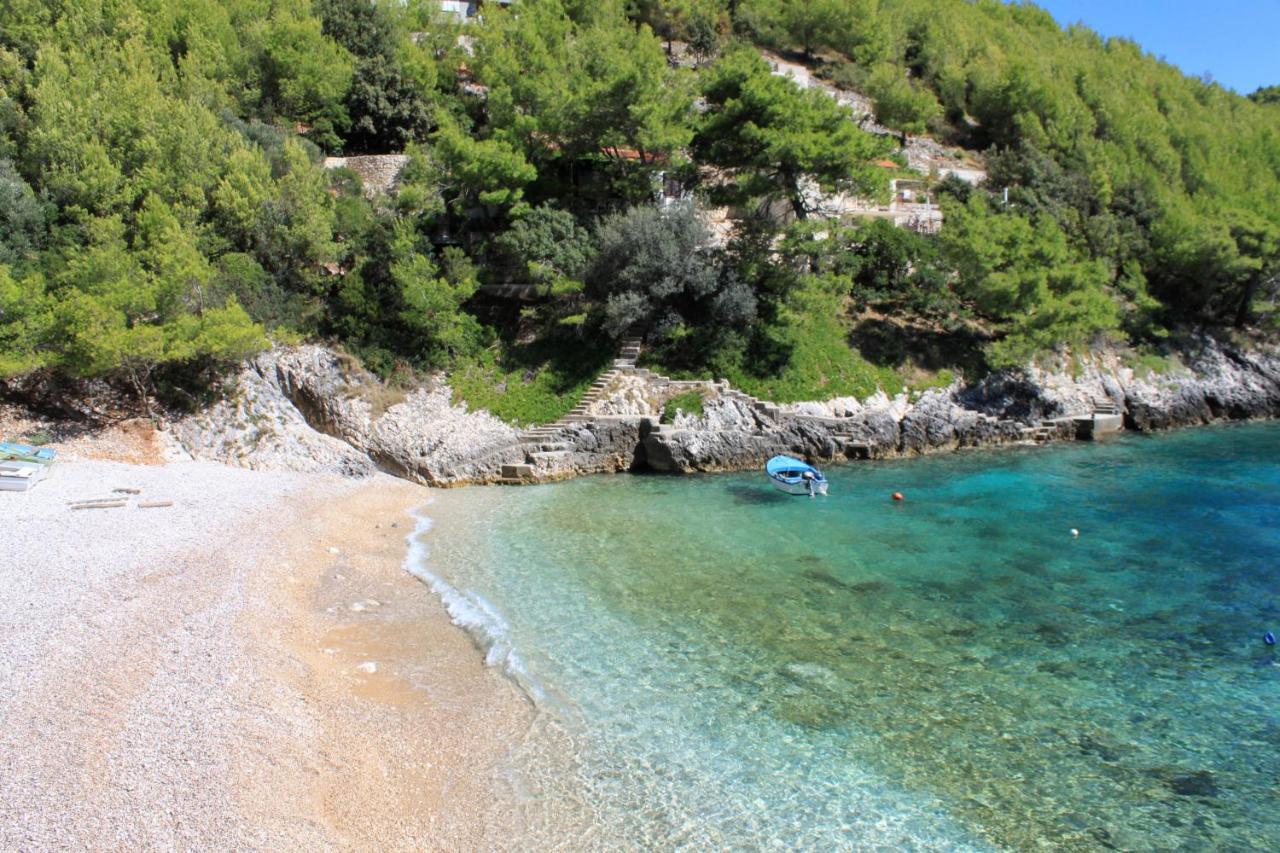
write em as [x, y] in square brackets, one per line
[1074, 532]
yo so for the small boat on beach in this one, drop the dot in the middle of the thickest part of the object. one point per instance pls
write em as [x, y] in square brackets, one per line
[22, 466]
[795, 477]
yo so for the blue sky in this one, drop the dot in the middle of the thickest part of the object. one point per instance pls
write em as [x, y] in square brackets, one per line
[1238, 41]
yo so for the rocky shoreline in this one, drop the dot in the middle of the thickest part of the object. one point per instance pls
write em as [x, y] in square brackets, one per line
[309, 408]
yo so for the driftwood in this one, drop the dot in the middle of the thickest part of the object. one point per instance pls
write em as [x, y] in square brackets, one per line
[127, 491]
[153, 504]
[99, 505]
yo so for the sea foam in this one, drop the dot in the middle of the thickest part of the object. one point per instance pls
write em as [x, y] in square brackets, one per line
[475, 614]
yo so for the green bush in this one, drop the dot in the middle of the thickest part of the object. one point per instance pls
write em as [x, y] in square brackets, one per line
[807, 356]
[532, 385]
[690, 403]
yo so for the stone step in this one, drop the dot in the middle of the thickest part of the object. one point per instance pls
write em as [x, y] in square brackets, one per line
[554, 447]
[517, 472]
[549, 456]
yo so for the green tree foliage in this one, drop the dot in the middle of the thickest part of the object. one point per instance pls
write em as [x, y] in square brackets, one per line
[22, 218]
[431, 294]
[774, 136]
[26, 323]
[306, 75]
[564, 88]
[696, 22]
[855, 28]
[1139, 163]
[163, 201]
[1022, 274]
[657, 274]
[547, 246]
[489, 172]
[388, 104]
[810, 25]
[900, 103]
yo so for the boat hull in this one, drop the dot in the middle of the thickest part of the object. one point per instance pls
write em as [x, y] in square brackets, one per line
[19, 476]
[799, 488]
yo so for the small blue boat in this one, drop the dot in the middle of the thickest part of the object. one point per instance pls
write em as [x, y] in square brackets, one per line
[795, 477]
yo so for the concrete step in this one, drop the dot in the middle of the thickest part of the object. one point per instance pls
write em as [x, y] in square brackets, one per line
[549, 456]
[517, 472]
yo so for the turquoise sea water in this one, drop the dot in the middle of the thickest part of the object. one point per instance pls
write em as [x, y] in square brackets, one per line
[721, 665]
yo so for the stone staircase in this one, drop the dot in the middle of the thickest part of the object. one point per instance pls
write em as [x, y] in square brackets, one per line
[766, 410]
[1105, 407]
[545, 444]
[1040, 434]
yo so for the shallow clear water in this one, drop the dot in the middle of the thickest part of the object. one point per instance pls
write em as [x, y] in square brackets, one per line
[724, 665]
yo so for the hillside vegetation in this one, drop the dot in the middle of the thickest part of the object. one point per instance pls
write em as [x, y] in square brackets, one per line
[164, 211]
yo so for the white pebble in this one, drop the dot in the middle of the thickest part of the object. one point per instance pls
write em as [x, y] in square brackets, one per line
[368, 666]
[1075, 532]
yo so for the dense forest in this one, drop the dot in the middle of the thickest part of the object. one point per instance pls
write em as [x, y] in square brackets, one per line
[164, 210]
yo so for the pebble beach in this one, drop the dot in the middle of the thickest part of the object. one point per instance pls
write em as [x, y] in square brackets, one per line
[247, 665]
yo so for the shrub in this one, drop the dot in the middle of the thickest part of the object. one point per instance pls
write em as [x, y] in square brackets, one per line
[690, 403]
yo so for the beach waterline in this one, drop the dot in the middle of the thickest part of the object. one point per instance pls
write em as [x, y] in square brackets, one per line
[735, 667]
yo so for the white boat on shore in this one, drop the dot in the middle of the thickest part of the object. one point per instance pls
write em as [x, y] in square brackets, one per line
[795, 477]
[22, 466]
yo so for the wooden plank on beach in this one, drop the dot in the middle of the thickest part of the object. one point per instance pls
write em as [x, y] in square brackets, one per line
[99, 505]
[153, 504]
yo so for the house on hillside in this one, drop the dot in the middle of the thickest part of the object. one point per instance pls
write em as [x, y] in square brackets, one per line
[467, 9]
[911, 204]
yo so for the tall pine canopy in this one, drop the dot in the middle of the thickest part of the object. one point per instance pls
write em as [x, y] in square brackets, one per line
[164, 208]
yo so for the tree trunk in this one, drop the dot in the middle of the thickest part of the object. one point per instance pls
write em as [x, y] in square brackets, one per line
[140, 381]
[1244, 306]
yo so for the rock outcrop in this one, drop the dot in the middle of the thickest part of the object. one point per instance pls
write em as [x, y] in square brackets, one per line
[310, 408]
[255, 425]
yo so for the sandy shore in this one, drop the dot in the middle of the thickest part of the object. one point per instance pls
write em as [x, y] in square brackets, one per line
[247, 668]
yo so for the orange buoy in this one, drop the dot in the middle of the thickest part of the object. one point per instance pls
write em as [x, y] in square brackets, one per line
[897, 496]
